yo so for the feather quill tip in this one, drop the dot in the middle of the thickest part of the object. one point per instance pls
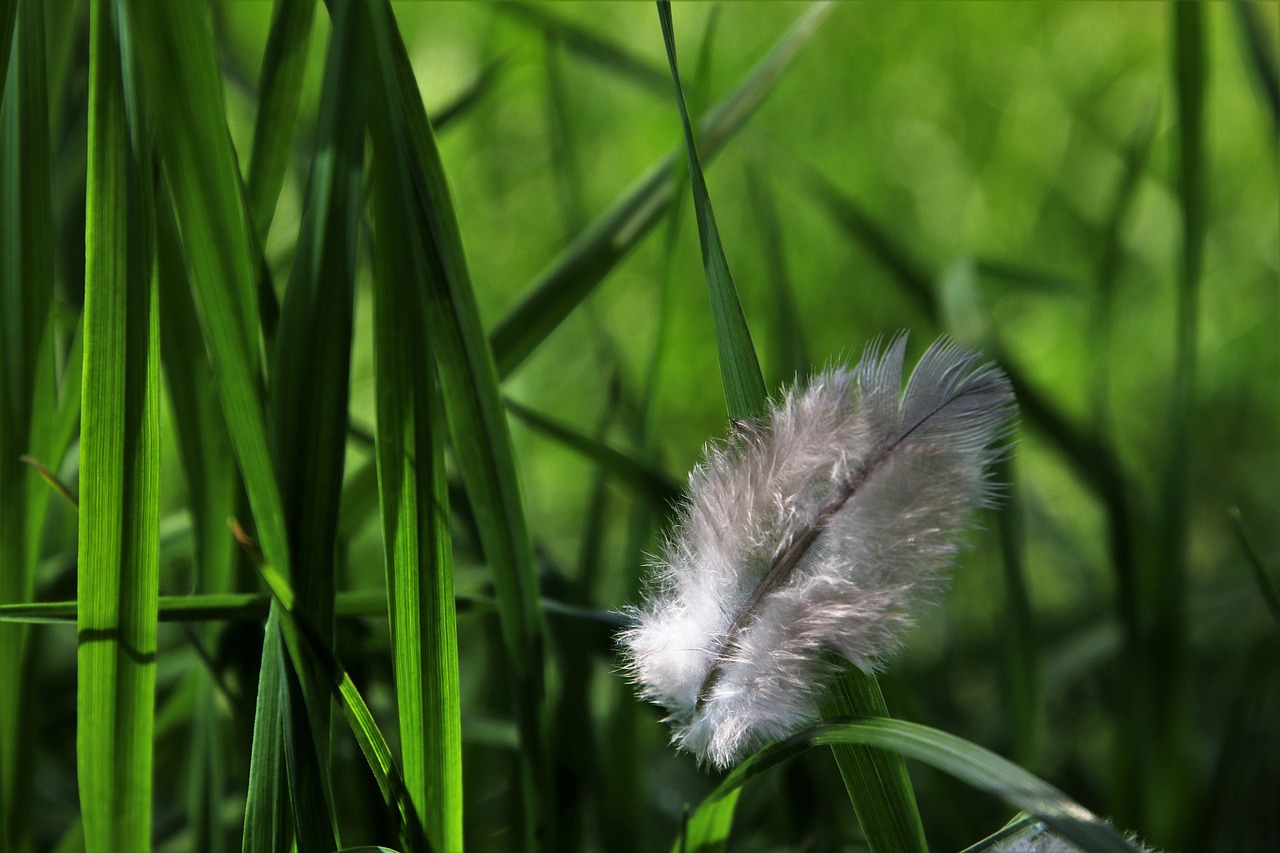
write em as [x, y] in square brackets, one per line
[822, 529]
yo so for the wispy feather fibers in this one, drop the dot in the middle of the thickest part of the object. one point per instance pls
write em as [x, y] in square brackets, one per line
[819, 530]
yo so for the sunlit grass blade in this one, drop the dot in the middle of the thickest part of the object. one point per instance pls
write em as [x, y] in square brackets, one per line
[414, 497]
[477, 422]
[118, 565]
[279, 98]
[586, 262]
[590, 45]
[27, 380]
[303, 639]
[658, 488]
[707, 829]
[968, 762]
[744, 389]
[267, 827]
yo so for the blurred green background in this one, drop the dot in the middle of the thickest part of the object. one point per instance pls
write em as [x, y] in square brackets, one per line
[1005, 172]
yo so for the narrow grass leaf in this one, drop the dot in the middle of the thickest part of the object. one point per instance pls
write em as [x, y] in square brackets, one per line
[972, 764]
[267, 824]
[279, 99]
[27, 380]
[587, 261]
[302, 637]
[413, 493]
[744, 388]
[118, 560]
[707, 829]
[468, 379]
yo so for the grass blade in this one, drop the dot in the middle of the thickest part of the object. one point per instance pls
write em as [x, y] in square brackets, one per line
[118, 571]
[790, 352]
[413, 493]
[279, 99]
[1261, 48]
[571, 277]
[27, 380]
[469, 382]
[744, 388]
[968, 762]
[267, 826]
[1267, 585]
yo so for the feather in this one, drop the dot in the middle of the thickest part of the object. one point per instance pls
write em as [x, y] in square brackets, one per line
[819, 530]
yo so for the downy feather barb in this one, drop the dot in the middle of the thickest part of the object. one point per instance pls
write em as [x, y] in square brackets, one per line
[819, 530]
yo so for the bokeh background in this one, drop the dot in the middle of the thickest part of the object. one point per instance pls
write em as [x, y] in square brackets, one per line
[1009, 173]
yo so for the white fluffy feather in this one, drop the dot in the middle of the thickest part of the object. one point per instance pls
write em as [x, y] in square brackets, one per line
[819, 530]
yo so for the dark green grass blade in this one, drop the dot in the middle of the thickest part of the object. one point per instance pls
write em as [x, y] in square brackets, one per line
[660, 490]
[118, 564]
[877, 784]
[414, 497]
[586, 262]
[968, 762]
[744, 388]
[214, 489]
[180, 75]
[309, 391]
[26, 373]
[469, 382]
[279, 99]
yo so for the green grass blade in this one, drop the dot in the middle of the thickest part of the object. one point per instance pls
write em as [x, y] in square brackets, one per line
[572, 276]
[27, 380]
[414, 497]
[118, 565]
[744, 388]
[968, 762]
[279, 99]
[477, 422]
[267, 827]
[303, 639]
[707, 829]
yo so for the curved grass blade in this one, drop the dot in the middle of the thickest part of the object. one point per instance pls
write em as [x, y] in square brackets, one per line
[744, 388]
[118, 565]
[27, 373]
[413, 493]
[279, 99]
[968, 762]
[587, 261]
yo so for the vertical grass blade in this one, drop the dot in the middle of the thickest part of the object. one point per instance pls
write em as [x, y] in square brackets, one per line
[744, 388]
[118, 571]
[469, 381]
[791, 355]
[877, 782]
[279, 98]
[414, 499]
[267, 828]
[27, 381]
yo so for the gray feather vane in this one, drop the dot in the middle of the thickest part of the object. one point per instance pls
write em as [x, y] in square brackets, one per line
[818, 531]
